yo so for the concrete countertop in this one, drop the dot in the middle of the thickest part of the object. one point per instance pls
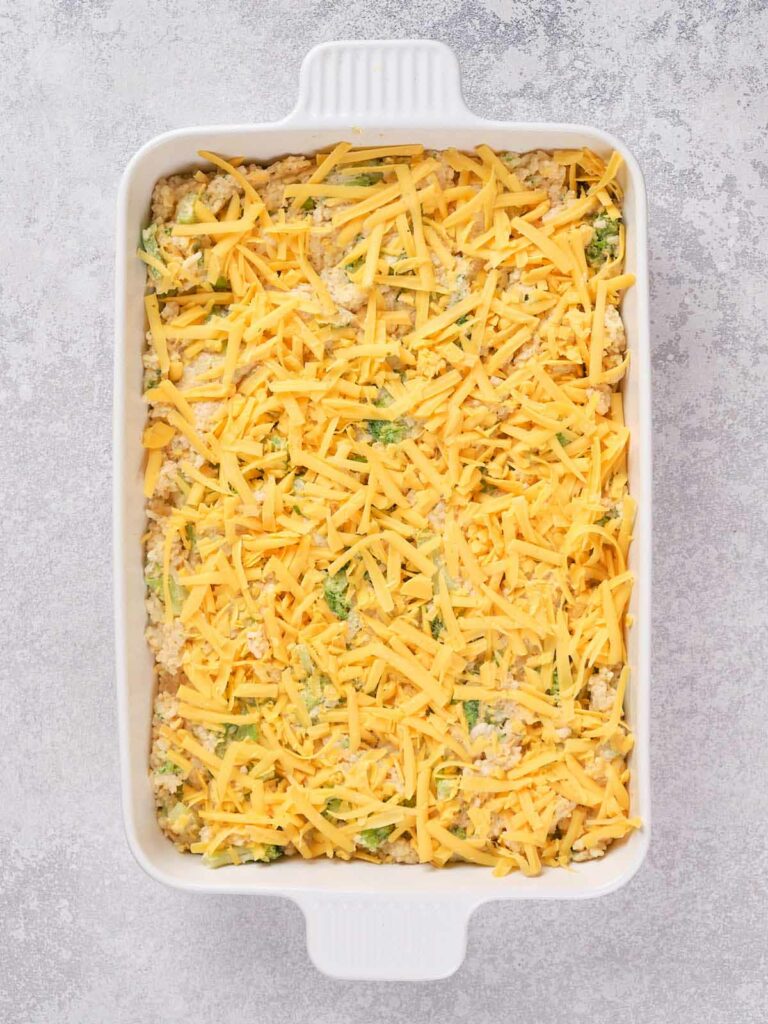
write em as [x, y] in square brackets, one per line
[86, 937]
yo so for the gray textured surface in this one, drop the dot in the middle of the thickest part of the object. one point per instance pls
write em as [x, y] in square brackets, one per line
[87, 937]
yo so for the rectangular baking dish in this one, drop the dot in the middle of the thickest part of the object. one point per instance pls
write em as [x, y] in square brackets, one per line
[363, 920]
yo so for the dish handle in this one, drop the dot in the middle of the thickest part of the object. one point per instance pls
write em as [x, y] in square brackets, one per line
[368, 83]
[386, 936]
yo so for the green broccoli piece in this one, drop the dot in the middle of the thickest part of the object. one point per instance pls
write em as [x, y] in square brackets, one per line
[354, 265]
[177, 592]
[332, 805]
[191, 534]
[604, 244]
[236, 732]
[335, 590]
[153, 380]
[471, 713]
[309, 204]
[167, 768]
[554, 690]
[242, 732]
[223, 858]
[217, 860]
[363, 179]
[185, 211]
[305, 658]
[372, 838]
[563, 439]
[310, 698]
[462, 319]
[612, 513]
[221, 284]
[151, 247]
[445, 788]
[458, 831]
[180, 817]
[387, 431]
[271, 852]
[436, 626]
[178, 595]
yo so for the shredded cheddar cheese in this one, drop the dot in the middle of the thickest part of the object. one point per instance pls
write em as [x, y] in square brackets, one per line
[388, 515]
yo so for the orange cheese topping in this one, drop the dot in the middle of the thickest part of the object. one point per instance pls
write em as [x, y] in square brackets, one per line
[388, 508]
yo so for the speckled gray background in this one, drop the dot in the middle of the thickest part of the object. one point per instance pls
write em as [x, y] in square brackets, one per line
[87, 938]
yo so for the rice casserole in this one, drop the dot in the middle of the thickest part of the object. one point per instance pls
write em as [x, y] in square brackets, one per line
[387, 507]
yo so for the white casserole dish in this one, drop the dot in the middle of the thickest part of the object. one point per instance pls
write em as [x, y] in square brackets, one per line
[363, 920]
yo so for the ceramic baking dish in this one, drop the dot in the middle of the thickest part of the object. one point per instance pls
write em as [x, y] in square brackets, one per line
[363, 920]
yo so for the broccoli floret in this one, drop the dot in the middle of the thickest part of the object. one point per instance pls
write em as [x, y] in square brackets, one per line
[305, 658]
[153, 380]
[471, 713]
[563, 439]
[612, 513]
[604, 244]
[335, 590]
[236, 732]
[151, 247]
[554, 690]
[217, 860]
[310, 698]
[445, 789]
[242, 732]
[332, 804]
[363, 179]
[177, 592]
[239, 855]
[309, 204]
[167, 768]
[387, 431]
[221, 284]
[436, 626]
[185, 211]
[372, 838]
[180, 817]
[458, 831]
[383, 399]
